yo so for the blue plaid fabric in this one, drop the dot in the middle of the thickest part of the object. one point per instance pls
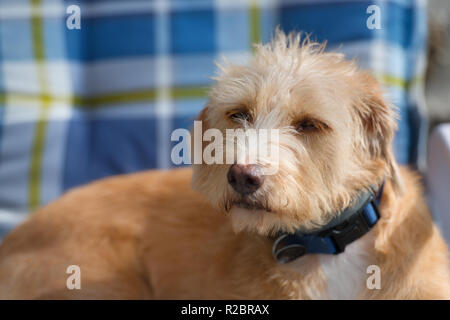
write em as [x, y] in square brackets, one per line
[81, 104]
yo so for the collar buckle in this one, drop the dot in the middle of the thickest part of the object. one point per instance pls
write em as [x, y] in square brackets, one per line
[353, 223]
[355, 227]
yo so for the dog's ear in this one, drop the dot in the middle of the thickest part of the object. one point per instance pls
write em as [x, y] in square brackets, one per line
[378, 122]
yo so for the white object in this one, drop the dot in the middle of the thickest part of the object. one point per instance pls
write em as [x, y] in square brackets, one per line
[438, 177]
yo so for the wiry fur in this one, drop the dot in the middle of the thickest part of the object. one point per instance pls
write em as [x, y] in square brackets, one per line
[149, 235]
[319, 174]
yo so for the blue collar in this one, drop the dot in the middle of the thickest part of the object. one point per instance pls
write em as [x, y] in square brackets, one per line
[348, 226]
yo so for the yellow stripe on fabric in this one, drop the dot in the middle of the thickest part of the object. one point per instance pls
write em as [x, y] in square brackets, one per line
[37, 31]
[394, 81]
[34, 196]
[2, 99]
[35, 170]
[255, 30]
[187, 92]
[177, 93]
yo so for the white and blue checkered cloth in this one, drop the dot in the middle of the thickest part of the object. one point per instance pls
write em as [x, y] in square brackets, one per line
[78, 105]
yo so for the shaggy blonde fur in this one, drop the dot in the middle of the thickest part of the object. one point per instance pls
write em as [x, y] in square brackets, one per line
[149, 235]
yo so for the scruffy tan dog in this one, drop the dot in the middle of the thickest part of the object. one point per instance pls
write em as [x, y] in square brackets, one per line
[149, 235]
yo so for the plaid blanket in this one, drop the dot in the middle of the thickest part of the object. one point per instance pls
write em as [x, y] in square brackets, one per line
[81, 104]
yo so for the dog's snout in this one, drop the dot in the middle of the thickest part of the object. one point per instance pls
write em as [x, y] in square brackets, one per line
[245, 179]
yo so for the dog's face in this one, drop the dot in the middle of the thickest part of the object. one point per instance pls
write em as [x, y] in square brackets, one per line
[335, 132]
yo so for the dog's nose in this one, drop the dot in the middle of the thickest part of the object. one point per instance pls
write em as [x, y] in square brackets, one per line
[245, 179]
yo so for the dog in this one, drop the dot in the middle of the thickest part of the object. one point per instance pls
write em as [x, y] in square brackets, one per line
[338, 219]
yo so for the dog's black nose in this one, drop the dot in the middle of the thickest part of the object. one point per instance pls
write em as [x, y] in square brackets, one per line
[245, 179]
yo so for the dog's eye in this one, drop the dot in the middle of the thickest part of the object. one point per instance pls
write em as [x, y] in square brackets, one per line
[310, 125]
[239, 116]
[306, 125]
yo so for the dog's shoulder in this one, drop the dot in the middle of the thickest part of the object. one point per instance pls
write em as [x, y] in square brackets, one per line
[409, 246]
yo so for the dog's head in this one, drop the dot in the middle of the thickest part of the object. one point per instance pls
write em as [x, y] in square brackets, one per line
[334, 136]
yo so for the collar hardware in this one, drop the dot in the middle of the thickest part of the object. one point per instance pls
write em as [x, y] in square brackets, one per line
[353, 228]
[351, 224]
